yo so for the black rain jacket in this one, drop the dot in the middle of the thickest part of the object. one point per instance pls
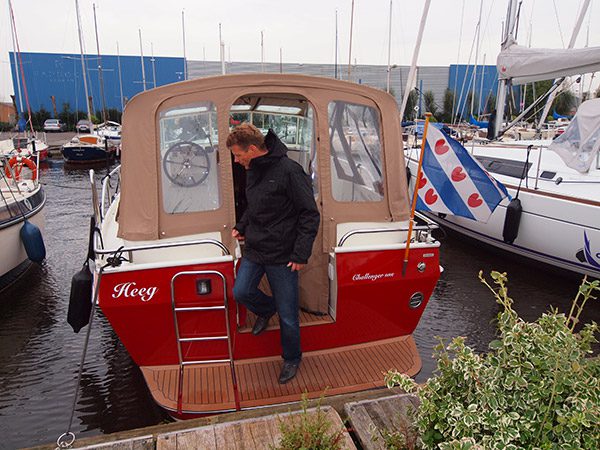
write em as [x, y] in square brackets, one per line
[281, 220]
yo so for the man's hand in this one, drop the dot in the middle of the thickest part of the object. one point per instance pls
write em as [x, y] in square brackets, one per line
[296, 266]
[236, 234]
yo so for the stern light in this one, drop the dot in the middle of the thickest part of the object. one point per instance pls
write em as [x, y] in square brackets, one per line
[203, 286]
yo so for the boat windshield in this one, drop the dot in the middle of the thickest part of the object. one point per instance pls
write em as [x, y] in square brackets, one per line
[188, 148]
[356, 166]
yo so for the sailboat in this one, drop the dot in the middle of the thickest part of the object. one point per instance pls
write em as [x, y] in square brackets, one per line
[93, 147]
[555, 219]
[22, 200]
[25, 142]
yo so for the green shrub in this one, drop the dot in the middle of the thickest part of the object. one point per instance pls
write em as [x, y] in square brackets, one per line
[536, 388]
[309, 430]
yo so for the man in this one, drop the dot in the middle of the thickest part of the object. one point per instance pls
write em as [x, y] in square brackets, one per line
[278, 227]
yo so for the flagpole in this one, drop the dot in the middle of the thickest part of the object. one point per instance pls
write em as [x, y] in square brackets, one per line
[415, 193]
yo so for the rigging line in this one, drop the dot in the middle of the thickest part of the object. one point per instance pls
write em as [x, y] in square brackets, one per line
[14, 26]
[558, 22]
[478, 36]
[462, 17]
[462, 89]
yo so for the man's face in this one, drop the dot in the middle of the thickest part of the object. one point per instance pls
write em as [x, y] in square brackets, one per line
[243, 157]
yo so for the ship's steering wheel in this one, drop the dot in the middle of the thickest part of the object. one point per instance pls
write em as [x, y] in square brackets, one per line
[186, 164]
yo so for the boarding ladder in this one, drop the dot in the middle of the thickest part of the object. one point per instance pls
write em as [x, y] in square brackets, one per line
[225, 335]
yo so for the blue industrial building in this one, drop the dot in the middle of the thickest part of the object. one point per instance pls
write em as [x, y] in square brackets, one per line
[59, 75]
[483, 85]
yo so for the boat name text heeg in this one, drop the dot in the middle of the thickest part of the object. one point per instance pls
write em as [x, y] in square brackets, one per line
[128, 290]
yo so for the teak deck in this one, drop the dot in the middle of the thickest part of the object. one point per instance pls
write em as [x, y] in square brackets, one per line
[306, 319]
[209, 388]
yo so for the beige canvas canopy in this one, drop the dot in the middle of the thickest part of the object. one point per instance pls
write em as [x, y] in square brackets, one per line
[141, 212]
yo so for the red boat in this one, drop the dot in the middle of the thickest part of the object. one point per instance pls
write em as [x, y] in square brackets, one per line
[168, 260]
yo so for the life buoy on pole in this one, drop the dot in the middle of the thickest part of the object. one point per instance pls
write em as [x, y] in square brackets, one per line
[15, 166]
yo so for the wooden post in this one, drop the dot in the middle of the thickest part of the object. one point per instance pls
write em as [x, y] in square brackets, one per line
[415, 193]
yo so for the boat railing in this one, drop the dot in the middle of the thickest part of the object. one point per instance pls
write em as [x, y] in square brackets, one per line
[108, 191]
[422, 233]
[116, 254]
[133, 248]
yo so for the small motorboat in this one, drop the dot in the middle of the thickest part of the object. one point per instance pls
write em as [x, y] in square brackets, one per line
[166, 261]
[87, 149]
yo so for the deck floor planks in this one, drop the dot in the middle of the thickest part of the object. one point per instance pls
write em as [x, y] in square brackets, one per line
[343, 370]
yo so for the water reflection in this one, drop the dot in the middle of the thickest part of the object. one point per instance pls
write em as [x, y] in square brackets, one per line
[39, 353]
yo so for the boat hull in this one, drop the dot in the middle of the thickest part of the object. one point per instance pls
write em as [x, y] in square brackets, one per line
[82, 154]
[557, 230]
[14, 257]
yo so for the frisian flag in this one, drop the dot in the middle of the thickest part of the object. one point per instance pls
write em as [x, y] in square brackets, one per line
[453, 182]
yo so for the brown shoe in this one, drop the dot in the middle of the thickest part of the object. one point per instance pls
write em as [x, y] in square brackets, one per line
[288, 371]
[261, 324]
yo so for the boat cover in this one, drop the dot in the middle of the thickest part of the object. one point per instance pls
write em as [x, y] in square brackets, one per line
[578, 145]
[524, 65]
[141, 215]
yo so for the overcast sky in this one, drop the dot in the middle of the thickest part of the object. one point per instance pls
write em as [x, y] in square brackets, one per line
[303, 29]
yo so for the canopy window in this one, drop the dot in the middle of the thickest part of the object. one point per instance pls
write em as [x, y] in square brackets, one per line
[290, 116]
[355, 153]
[188, 152]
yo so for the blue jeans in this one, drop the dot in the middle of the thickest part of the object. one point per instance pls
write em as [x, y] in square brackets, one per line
[284, 284]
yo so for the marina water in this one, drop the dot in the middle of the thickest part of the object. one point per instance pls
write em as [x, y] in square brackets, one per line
[40, 354]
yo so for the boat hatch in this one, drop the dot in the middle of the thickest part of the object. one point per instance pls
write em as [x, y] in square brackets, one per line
[508, 167]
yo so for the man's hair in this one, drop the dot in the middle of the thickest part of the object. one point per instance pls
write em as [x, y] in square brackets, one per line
[246, 135]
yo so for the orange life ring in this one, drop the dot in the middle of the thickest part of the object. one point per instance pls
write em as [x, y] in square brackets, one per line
[15, 166]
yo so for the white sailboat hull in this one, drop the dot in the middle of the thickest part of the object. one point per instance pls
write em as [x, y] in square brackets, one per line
[559, 226]
[13, 251]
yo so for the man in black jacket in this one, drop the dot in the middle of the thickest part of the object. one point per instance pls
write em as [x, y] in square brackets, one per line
[278, 227]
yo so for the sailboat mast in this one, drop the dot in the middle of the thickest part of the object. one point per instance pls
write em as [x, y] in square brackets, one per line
[262, 51]
[476, 60]
[85, 86]
[100, 79]
[222, 50]
[389, 50]
[184, 57]
[120, 78]
[350, 44]
[511, 17]
[142, 59]
[12, 33]
[336, 45]
[413, 66]
[152, 61]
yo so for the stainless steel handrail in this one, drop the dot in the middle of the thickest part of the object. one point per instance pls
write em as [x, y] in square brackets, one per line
[105, 189]
[350, 233]
[95, 204]
[101, 251]
[183, 363]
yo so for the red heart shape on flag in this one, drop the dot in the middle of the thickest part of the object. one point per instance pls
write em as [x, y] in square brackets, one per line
[441, 147]
[458, 174]
[430, 197]
[474, 200]
[422, 182]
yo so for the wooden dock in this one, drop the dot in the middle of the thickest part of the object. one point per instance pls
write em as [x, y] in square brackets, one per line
[248, 429]
[370, 418]
[262, 433]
